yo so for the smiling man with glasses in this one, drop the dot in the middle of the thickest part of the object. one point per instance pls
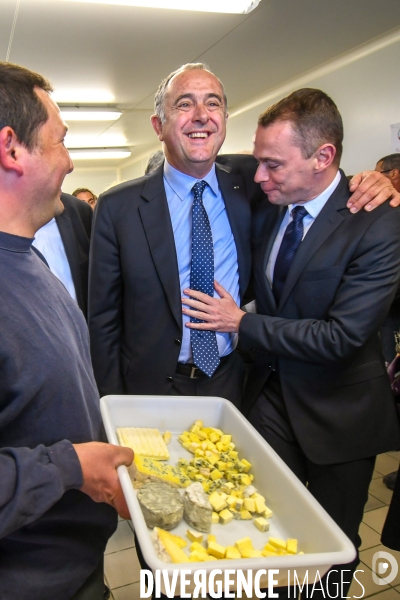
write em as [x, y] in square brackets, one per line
[390, 167]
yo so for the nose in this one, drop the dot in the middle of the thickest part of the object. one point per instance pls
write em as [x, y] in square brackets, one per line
[71, 164]
[200, 113]
[261, 174]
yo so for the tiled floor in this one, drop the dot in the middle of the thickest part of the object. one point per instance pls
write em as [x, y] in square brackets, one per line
[122, 567]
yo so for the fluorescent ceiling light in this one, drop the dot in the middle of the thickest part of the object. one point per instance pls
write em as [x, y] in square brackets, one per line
[99, 153]
[91, 141]
[220, 6]
[82, 96]
[89, 113]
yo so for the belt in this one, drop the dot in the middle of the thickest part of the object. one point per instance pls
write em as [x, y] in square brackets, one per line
[190, 370]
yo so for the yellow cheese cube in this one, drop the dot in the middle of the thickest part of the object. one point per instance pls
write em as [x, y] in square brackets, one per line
[214, 518]
[211, 537]
[232, 552]
[267, 513]
[249, 504]
[245, 463]
[245, 515]
[261, 524]
[214, 437]
[225, 516]
[244, 544]
[268, 553]
[217, 502]
[251, 554]
[216, 550]
[260, 505]
[215, 474]
[291, 545]
[226, 439]
[196, 547]
[277, 543]
[194, 536]
[270, 548]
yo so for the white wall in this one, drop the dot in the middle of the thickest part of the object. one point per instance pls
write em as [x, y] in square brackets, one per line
[367, 92]
[97, 180]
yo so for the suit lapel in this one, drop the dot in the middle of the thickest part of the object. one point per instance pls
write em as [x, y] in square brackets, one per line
[239, 215]
[326, 222]
[156, 222]
[272, 222]
[66, 230]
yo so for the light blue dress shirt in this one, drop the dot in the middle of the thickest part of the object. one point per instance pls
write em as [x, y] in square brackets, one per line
[178, 189]
[313, 207]
[48, 241]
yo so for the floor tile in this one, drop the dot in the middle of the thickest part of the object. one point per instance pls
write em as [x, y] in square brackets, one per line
[386, 464]
[376, 475]
[369, 537]
[364, 579]
[395, 454]
[373, 503]
[378, 489]
[366, 557]
[122, 539]
[122, 568]
[129, 592]
[389, 594]
[376, 518]
[397, 588]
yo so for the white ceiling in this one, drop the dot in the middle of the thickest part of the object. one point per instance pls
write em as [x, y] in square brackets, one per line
[126, 51]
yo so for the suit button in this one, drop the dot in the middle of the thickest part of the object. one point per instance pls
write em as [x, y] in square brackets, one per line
[270, 366]
[169, 379]
[179, 342]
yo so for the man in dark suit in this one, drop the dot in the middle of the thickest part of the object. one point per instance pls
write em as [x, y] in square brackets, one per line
[324, 280]
[64, 243]
[141, 252]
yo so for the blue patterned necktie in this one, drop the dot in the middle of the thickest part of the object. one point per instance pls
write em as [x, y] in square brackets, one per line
[204, 343]
[287, 251]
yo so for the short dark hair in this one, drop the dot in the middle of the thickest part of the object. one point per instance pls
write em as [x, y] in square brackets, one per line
[20, 107]
[154, 161]
[314, 117]
[391, 161]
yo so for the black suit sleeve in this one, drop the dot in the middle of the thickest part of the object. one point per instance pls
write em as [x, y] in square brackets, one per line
[364, 294]
[105, 302]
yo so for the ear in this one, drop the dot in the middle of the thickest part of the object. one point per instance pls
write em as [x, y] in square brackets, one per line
[325, 156]
[157, 126]
[11, 151]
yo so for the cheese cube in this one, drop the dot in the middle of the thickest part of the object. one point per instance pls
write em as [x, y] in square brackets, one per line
[252, 554]
[249, 504]
[194, 536]
[267, 513]
[216, 550]
[261, 524]
[232, 552]
[244, 544]
[214, 518]
[217, 502]
[277, 543]
[291, 545]
[245, 515]
[225, 516]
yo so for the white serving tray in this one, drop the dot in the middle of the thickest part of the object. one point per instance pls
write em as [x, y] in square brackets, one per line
[296, 514]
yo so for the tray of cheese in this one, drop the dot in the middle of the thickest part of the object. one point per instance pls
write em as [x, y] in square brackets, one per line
[296, 514]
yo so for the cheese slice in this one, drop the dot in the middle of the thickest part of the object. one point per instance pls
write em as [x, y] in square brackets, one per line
[144, 441]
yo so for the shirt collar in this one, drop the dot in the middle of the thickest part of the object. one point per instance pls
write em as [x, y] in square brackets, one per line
[182, 184]
[315, 206]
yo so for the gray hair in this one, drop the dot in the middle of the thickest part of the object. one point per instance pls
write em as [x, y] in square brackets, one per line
[159, 99]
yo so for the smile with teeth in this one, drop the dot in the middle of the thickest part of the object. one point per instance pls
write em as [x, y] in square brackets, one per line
[199, 134]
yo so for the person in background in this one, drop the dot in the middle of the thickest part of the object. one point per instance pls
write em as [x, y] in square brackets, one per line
[318, 392]
[390, 167]
[154, 161]
[64, 242]
[59, 492]
[86, 195]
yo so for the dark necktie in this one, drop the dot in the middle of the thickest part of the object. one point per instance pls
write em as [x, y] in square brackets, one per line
[204, 343]
[287, 251]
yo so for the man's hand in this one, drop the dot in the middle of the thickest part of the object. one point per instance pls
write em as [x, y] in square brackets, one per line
[370, 189]
[99, 464]
[221, 314]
